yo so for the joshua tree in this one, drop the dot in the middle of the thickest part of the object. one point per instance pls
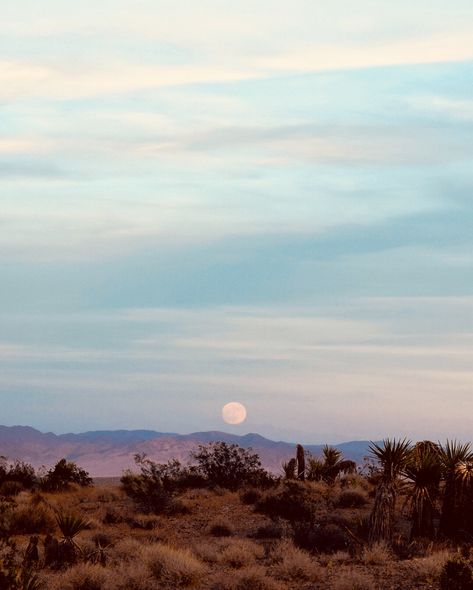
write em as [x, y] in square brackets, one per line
[457, 467]
[423, 472]
[393, 456]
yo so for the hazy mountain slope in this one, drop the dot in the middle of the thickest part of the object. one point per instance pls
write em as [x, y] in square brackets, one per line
[107, 453]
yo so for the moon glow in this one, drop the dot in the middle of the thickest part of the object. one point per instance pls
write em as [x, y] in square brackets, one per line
[234, 413]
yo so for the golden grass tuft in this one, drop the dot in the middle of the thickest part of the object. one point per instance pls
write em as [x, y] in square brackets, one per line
[177, 567]
[350, 579]
[240, 553]
[292, 563]
[428, 569]
[83, 576]
[376, 554]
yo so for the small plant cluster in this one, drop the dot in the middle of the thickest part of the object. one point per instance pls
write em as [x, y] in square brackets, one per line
[328, 468]
[15, 477]
[214, 465]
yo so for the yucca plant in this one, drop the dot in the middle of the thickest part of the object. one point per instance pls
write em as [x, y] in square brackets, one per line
[393, 456]
[330, 467]
[70, 526]
[423, 472]
[457, 461]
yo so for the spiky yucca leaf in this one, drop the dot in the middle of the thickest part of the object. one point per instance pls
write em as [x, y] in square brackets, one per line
[453, 453]
[464, 473]
[331, 455]
[393, 455]
[71, 525]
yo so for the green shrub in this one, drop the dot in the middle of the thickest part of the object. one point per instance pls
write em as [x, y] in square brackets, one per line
[62, 475]
[292, 500]
[229, 466]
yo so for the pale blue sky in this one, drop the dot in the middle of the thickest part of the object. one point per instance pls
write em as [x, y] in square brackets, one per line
[252, 201]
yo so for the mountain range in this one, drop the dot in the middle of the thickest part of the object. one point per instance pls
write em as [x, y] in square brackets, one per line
[106, 453]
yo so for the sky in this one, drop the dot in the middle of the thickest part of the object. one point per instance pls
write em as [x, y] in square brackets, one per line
[254, 201]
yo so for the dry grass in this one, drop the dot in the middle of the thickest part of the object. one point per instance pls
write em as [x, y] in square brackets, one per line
[350, 579]
[376, 554]
[179, 551]
[174, 566]
[251, 578]
[83, 576]
[428, 569]
[240, 553]
[292, 563]
[28, 519]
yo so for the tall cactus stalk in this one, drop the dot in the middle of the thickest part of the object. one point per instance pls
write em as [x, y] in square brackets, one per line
[300, 462]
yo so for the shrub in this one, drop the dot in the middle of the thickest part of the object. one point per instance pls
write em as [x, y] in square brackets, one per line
[353, 580]
[240, 553]
[10, 488]
[254, 578]
[250, 496]
[112, 516]
[376, 554]
[221, 528]
[321, 537]
[62, 475]
[31, 520]
[126, 550]
[294, 564]
[229, 465]
[22, 473]
[83, 576]
[292, 500]
[269, 531]
[153, 489]
[456, 575]
[177, 567]
[428, 569]
[351, 499]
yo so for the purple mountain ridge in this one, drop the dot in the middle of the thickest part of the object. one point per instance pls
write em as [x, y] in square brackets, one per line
[106, 453]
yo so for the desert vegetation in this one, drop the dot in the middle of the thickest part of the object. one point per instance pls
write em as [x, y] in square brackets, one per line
[221, 522]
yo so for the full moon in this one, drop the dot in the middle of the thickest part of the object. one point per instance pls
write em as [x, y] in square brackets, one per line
[234, 413]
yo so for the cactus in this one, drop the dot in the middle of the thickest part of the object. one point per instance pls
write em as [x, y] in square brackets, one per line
[300, 463]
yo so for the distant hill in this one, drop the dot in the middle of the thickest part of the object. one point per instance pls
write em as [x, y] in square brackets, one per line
[106, 453]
